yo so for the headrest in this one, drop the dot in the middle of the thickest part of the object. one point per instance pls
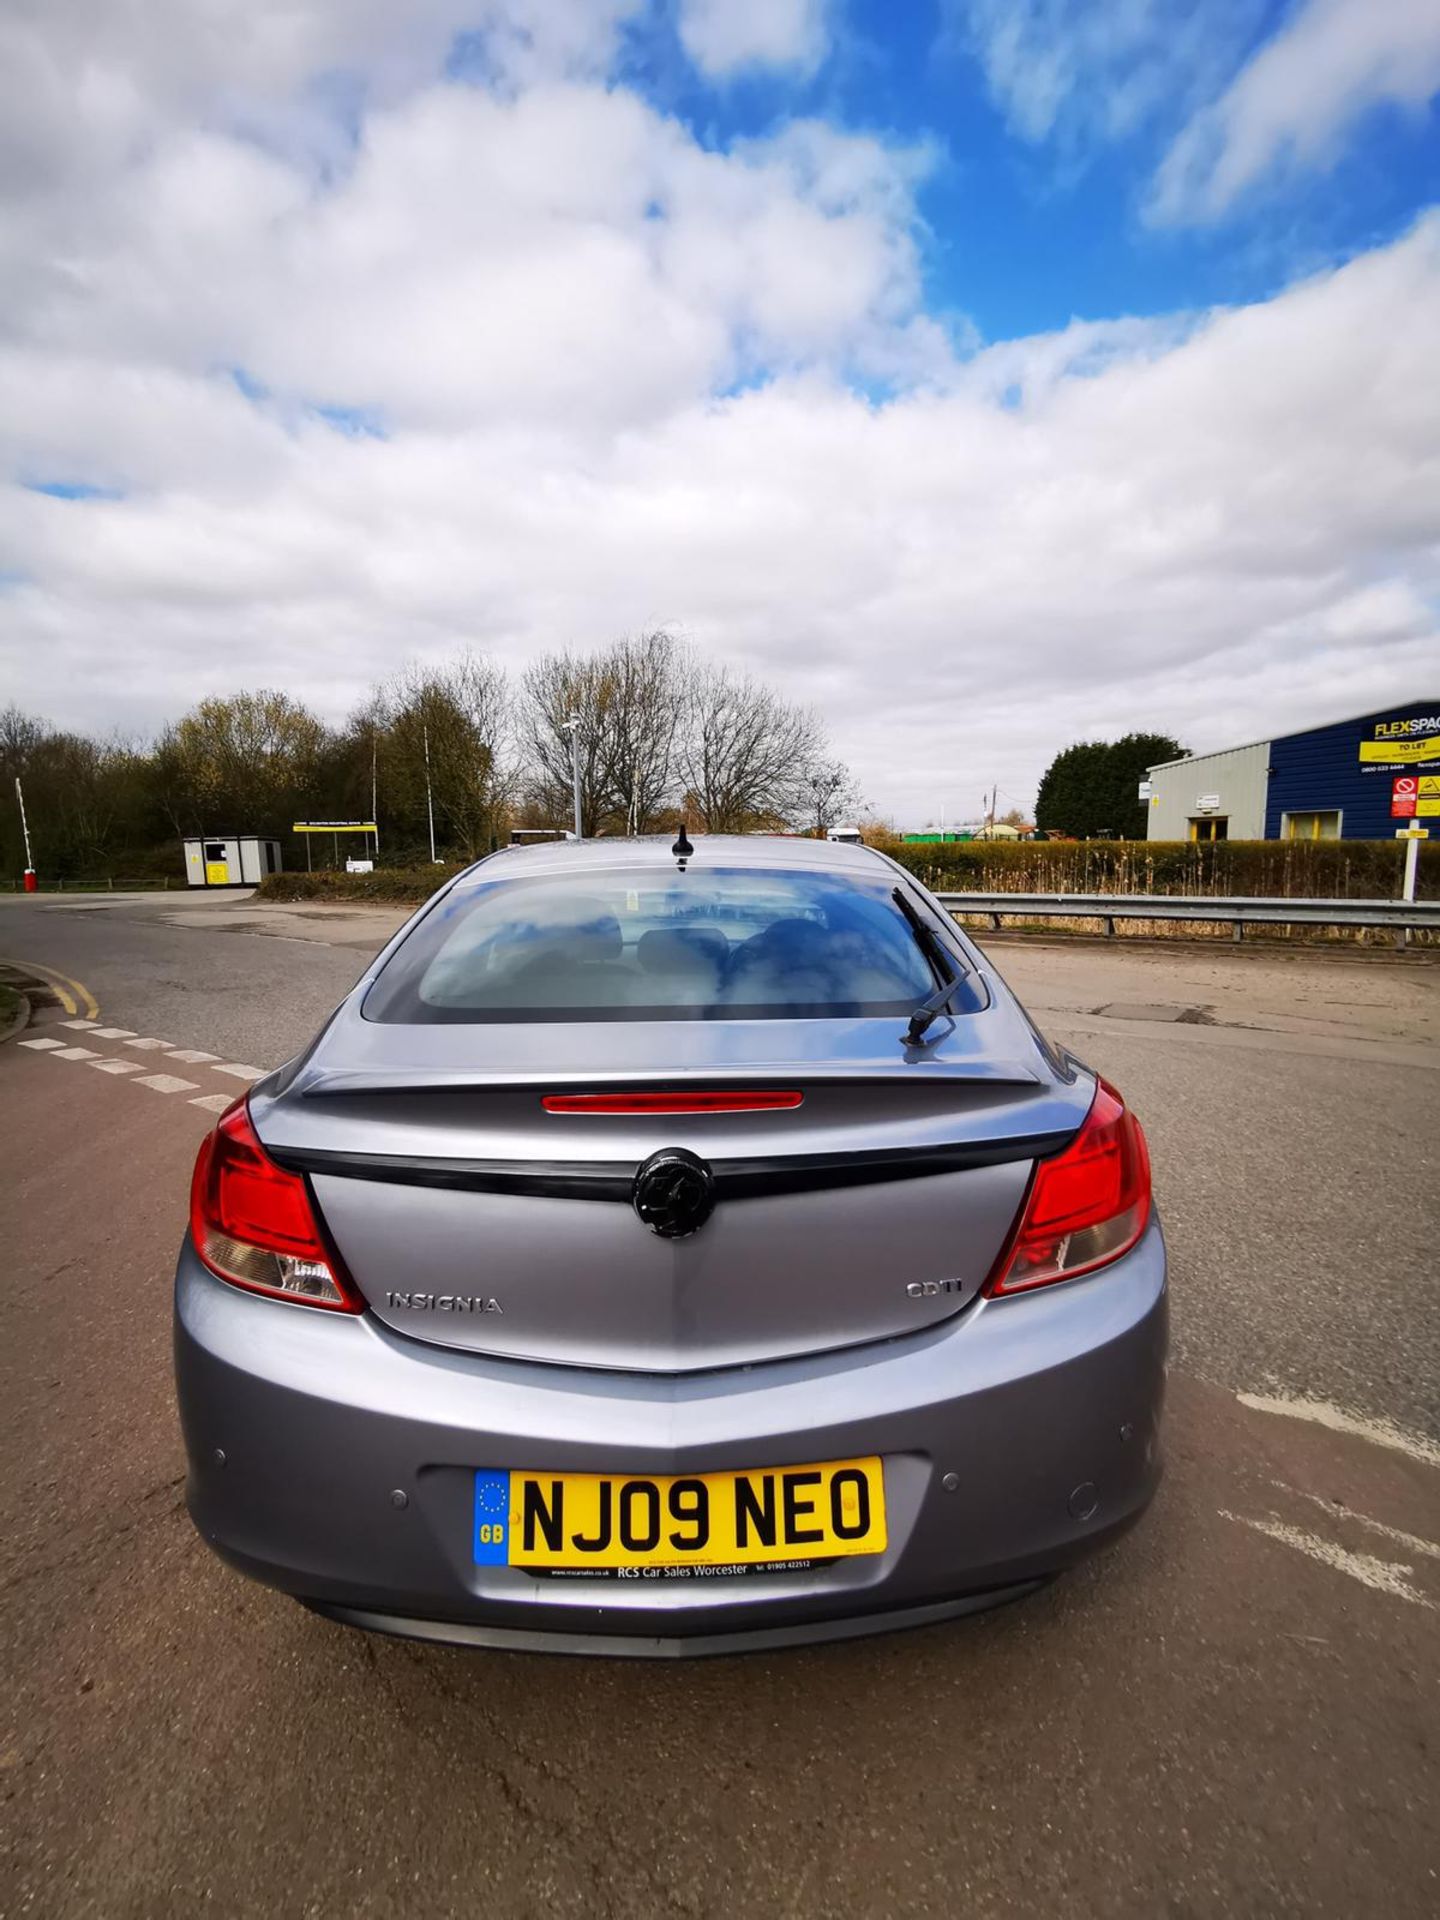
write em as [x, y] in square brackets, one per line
[682, 950]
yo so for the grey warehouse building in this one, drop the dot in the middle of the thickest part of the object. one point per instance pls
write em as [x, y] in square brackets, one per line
[1356, 779]
[1210, 796]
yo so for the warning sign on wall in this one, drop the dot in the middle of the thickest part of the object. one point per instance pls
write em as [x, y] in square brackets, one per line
[1404, 794]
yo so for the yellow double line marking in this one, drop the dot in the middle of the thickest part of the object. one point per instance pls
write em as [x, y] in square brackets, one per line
[76, 998]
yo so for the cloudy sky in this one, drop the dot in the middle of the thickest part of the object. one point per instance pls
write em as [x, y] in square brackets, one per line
[989, 373]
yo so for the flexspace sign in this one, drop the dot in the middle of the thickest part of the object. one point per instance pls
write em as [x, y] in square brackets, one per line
[1410, 742]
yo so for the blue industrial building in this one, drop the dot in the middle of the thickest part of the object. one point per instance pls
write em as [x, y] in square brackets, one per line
[1356, 779]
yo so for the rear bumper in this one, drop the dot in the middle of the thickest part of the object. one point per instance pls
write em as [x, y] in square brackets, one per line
[302, 1428]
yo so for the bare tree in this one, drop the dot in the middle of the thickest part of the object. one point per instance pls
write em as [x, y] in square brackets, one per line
[628, 701]
[559, 687]
[84, 795]
[744, 751]
[829, 792]
[640, 712]
[20, 736]
[457, 714]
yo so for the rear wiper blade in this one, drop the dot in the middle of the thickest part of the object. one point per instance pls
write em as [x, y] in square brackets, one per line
[928, 942]
[930, 1010]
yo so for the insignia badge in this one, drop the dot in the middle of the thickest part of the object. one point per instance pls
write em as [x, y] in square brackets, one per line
[674, 1193]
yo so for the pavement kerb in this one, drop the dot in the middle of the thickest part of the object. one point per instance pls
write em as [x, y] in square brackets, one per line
[19, 1020]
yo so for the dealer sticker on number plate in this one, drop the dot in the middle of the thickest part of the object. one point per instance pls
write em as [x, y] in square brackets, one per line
[602, 1522]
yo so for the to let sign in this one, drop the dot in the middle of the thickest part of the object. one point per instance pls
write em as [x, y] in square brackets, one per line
[1404, 793]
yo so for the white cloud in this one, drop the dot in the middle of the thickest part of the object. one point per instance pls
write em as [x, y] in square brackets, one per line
[87, 86]
[566, 251]
[1080, 70]
[623, 379]
[1076, 72]
[1302, 93]
[723, 37]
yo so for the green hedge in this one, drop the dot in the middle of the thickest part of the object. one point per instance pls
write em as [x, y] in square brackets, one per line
[387, 886]
[1296, 869]
[1274, 869]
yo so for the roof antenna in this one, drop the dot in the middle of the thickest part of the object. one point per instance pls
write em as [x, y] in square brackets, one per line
[682, 848]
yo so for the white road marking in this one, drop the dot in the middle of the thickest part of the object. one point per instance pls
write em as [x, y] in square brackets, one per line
[164, 1083]
[191, 1056]
[1382, 1576]
[116, 1066]
[83, 1025]
[149, 1046]
[1411, 1542]
[212, 1102]
[1381, 1433]
[40, 1045]
[242, 1073]
[76, 1053]
[114, 1033]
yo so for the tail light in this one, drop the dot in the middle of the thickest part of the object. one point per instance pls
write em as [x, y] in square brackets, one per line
[1085, 1207]
[254, 1224]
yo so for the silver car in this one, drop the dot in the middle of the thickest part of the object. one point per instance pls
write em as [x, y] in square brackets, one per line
[671, 1249]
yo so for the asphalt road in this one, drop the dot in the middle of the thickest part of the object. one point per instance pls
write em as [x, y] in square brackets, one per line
[1233, 1712]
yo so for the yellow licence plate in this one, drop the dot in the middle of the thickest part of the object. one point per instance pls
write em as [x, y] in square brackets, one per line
[763, 1516]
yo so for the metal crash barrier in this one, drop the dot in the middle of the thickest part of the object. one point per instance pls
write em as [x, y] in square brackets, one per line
[1402, 916]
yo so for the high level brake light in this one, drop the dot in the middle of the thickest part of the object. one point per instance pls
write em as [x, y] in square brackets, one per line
[742, 1100]
[253, 1223]
[1086, 1207]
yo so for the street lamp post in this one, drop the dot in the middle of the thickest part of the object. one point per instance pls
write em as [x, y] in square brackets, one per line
[572, 727]
[375, 790]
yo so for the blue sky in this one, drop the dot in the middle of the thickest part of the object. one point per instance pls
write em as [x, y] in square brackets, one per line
[987, 373]
[1025, 233]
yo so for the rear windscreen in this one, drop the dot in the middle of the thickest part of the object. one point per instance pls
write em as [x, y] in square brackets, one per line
[722, 945]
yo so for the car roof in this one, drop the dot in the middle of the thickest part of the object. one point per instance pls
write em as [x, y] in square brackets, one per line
[656, 850]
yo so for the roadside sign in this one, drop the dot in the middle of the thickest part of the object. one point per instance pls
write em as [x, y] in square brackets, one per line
[1412, 836]
[337, 827]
